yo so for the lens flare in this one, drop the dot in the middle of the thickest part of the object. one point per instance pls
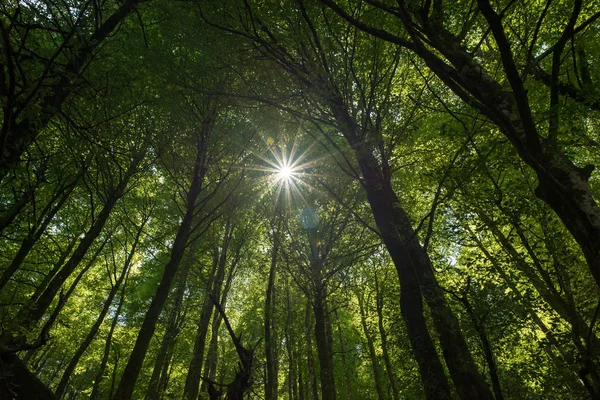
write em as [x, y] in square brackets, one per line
[285, 173]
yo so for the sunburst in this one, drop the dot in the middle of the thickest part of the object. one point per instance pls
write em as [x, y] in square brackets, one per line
[288, 170]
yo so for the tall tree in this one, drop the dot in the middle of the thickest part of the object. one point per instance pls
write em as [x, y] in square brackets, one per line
[134, 364]
[447, 51]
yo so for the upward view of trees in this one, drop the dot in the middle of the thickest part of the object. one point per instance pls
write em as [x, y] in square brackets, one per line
[299, 199]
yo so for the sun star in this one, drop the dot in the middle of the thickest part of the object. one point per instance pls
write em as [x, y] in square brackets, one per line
[285, 173]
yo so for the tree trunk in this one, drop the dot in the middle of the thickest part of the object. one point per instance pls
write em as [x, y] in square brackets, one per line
[383, 335]
[210, 368]
[561, 184]
[312, 376]
[431, 370]
[566, 358]
[55, 268]
[30, 314]
[487, 348]
[192, 382]
[544, 285]
[134, 364]
[154, 391]
[100, 375]
[9, 217]
[167, 368]
[415, 274]
[347, 376]
[371, 346]
[324, 351]
[271, 383]
[18, 383]
[290, 345]
[323, 338]
[301, 380]
[94, 330]
[36, 232]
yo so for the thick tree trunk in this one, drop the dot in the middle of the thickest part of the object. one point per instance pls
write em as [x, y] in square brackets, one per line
[416, 278]
[561, 184]
[94, 330]
[18, 383]
[382, 204]
[134, 364]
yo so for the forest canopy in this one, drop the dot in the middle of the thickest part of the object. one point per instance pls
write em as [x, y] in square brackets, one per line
[299, 199]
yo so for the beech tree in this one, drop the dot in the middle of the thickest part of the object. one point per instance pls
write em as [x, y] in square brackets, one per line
[302, 199]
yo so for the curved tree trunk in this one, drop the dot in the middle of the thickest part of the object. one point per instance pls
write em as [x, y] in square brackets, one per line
[561, 184]
[416, 277]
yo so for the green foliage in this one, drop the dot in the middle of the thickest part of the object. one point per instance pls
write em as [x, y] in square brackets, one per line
[510, 269]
